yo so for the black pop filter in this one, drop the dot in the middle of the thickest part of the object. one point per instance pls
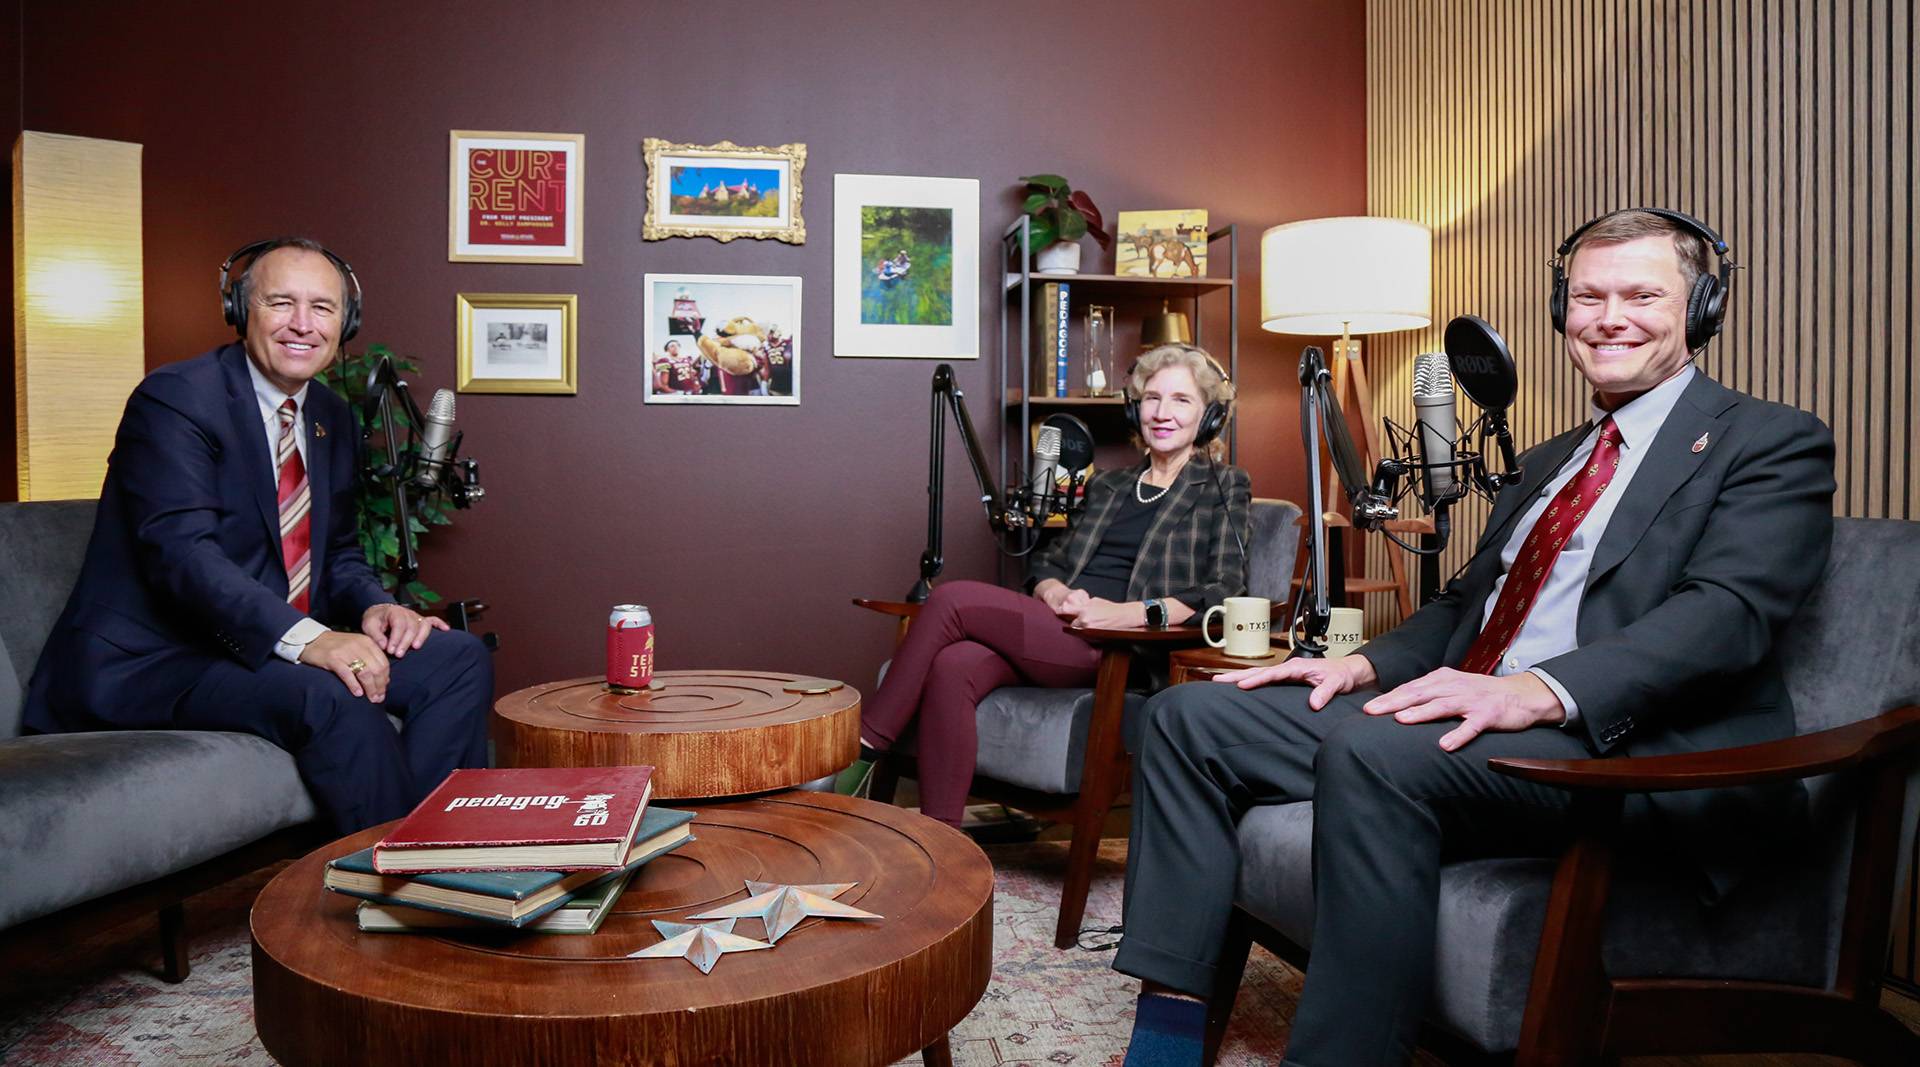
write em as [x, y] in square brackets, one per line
[1076, 441]
[1482, 364]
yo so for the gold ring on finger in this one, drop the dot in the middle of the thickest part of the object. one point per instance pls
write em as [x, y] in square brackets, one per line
[356, 665]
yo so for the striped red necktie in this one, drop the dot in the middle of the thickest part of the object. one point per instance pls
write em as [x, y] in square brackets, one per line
[1549, 535]
[296, 535]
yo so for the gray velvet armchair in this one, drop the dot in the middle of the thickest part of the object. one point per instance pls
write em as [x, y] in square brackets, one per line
[1060, 754]
[1595, 955]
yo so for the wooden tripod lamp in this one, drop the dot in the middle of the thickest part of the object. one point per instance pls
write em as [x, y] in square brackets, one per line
[1350, 275]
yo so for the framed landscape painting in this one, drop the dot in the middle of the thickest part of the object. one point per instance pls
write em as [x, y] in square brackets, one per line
[906, 267]
[723, 191]
[515, 197]
[722, 339]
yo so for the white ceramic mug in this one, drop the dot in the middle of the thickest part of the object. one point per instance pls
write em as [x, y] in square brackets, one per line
[1244, 629]
[1346, 631]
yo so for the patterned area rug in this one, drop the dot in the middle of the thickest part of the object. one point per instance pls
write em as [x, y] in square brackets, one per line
[1044, 1007]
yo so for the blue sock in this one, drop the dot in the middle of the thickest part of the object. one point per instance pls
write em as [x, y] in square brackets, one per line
[1167, 1032]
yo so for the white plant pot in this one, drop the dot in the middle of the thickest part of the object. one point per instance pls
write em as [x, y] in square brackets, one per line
[1060, 257]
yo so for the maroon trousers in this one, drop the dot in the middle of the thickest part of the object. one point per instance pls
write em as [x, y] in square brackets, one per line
[969, 639]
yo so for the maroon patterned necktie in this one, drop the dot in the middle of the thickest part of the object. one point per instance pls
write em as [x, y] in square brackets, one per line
[296, 535]
[1549, 535]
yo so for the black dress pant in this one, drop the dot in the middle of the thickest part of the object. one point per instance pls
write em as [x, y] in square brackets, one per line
[360, 771]
[1388, 803]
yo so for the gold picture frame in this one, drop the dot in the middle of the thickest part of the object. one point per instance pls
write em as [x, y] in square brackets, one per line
[516, 197]
[724, 175]
[525, 342]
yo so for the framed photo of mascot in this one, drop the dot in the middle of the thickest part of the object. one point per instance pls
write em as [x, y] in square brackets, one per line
[722, 339]
[906, 267]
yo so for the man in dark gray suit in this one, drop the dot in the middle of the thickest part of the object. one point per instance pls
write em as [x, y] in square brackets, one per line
[1624, 598]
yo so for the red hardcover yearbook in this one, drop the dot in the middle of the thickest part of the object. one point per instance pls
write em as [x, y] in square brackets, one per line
[521, 818]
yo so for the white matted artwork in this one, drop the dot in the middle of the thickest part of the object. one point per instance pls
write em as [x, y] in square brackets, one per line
[722, 339]
[906, 267]
[516, 342]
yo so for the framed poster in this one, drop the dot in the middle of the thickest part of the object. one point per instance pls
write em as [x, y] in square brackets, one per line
[723, 191]
[906, 267]
[516, 197]
[516, 342]
[722, 339]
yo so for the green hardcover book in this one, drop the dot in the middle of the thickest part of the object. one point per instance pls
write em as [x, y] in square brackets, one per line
[581, 915]
[511, 898]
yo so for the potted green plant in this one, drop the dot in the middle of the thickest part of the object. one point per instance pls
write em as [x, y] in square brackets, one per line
[1061, 216]
[379, 526]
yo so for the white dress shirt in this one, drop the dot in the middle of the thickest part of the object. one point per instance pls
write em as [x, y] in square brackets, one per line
[270, 397]
[1551, 627]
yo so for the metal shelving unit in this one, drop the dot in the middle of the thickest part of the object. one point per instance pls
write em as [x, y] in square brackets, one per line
[1017, 281]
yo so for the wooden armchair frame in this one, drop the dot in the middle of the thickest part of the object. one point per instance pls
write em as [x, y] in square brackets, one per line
[1104, 771]
[1577, 1014]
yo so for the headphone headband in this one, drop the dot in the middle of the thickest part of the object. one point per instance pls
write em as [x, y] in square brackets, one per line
[234, 310]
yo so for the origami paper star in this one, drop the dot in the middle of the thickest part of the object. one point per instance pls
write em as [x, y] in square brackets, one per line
[781, 907]
[702, 944]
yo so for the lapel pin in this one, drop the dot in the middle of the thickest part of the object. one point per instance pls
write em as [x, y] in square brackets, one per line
[321, 431]
[1700, 445]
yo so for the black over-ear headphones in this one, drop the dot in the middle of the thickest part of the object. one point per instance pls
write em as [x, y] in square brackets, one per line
[1706, 305]
[235, 309]
[1212, 421]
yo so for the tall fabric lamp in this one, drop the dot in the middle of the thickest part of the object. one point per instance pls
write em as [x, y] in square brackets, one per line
[78, 307]
[1349, 275]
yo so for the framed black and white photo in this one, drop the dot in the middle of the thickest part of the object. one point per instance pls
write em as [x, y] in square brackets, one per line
[516, 342]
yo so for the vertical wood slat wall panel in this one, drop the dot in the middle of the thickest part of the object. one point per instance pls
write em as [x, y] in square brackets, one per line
[1788, 125]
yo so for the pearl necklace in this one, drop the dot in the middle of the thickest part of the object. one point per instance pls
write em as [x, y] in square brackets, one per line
[1140, 492]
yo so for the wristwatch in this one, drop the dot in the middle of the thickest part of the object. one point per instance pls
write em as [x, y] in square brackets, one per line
[1156, 613]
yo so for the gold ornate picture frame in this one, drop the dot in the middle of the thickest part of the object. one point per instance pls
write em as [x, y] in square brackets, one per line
[517, 342]
[724, 191]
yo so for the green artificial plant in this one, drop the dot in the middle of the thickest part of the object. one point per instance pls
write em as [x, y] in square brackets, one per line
[379, 528]
[1060, 213]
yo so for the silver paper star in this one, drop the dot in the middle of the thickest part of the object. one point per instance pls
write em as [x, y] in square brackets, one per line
[702, 944]
[781, 907]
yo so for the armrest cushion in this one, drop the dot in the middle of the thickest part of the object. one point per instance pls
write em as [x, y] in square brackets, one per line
[1837, 749]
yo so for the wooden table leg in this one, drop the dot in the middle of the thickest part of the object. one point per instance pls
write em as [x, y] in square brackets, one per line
[937, 1054]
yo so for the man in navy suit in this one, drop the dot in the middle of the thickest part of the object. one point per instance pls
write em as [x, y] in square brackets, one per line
[1624, 598]
[225, 548]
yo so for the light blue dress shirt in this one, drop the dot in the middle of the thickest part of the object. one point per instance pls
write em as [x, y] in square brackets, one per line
[1552, 626]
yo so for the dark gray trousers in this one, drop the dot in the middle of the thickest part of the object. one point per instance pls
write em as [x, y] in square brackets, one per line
[1389, 803]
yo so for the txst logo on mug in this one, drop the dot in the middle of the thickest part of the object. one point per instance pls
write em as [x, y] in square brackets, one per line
[1244, 628]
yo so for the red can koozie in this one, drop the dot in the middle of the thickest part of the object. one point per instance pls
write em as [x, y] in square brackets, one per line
[629, 648]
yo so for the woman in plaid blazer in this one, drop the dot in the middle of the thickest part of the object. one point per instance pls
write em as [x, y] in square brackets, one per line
[1159, 542]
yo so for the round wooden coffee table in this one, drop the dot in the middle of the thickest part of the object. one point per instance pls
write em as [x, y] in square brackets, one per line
[829, 992]
[705, 733]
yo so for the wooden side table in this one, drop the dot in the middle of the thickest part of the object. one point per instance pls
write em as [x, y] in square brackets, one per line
[1199, 664]
[830, 993]
[706, 733]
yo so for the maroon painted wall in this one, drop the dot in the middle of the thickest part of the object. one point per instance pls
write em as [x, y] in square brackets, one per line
[746, 529]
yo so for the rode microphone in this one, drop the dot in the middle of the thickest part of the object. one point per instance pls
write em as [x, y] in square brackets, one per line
[1064, 447]
[436, 434]
[1046, 468]
[1437, 425]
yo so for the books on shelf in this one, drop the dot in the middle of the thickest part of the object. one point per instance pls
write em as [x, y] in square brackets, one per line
[521, 818]
[1049, 370]
[582, 914]
[513, 898]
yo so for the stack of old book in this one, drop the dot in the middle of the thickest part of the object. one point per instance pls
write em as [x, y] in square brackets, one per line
[542, 849]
